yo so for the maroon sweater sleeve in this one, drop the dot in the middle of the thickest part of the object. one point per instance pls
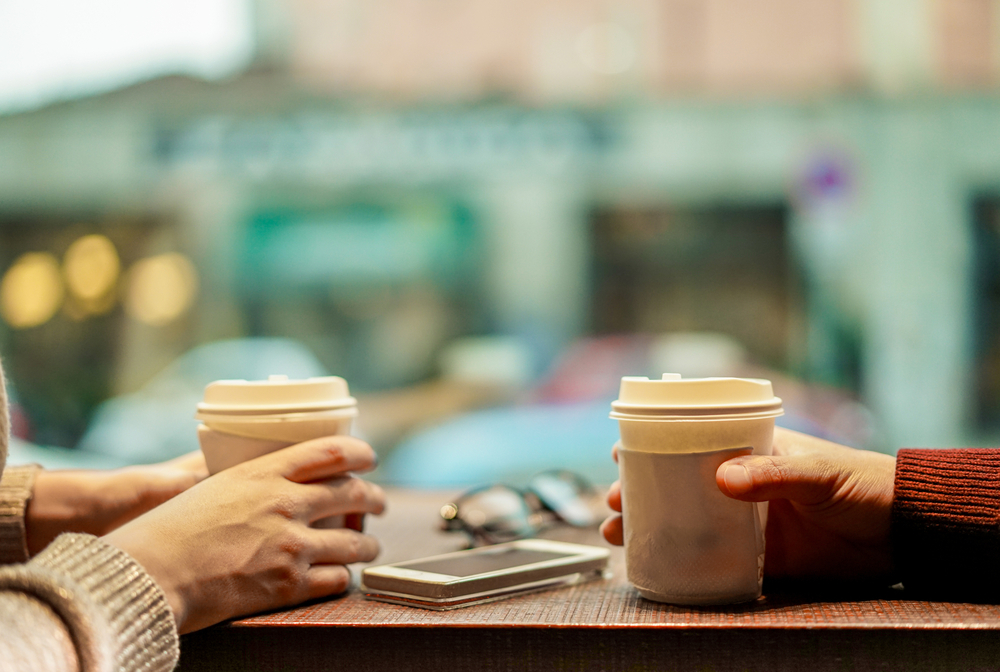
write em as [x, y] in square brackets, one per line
[946, 523]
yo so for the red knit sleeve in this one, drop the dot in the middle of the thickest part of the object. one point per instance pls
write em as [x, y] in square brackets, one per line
[946, 522]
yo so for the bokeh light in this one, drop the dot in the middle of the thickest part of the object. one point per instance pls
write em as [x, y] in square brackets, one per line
[91, 268]
[161, 288]
[31, 290]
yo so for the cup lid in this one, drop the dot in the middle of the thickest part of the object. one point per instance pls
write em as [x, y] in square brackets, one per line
[277, 394]
[675, 396]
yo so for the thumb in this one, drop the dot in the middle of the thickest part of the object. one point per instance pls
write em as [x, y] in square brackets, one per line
[758, 478]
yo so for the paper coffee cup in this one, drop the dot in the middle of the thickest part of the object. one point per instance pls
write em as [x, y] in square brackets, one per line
[685, 541]
[242, 419]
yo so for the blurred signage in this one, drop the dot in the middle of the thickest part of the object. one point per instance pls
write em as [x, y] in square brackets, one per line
[346, 249]
[418, 147]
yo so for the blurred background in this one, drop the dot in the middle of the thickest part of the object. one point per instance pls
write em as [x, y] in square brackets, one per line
[483, 213]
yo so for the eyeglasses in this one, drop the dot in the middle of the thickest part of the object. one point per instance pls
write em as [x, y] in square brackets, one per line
[493, 514]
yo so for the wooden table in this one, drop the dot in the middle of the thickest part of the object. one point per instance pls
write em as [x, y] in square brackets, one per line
[602, 625]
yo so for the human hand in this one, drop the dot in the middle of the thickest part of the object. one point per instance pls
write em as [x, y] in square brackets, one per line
[612, 528]
[829, 508]
[97, 502]
[240, 542]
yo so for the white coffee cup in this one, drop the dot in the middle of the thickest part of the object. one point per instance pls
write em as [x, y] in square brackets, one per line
[242, 419]
[686, 542]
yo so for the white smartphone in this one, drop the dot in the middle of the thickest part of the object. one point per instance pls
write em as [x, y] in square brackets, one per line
[484, 574]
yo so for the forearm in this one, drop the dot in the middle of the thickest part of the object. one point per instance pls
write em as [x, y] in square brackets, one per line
[64, 501]
[36, 506]
[97, 502]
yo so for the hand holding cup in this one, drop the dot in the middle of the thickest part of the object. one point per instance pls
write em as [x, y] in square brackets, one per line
[829, 513]
[830, 506]
[244, 419]
[242, 541]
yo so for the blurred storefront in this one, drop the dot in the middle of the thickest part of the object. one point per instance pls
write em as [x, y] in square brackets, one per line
[816, 180]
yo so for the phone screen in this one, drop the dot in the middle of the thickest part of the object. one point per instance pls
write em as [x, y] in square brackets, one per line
[481, 562]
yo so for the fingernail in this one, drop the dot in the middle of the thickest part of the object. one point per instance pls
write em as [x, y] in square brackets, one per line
[737, 478]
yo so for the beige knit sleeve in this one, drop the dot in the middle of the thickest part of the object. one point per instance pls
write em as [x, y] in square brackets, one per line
[33, 637]
[114, 614]
[15, 491]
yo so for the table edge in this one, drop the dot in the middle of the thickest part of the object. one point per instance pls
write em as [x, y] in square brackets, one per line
[871, 627]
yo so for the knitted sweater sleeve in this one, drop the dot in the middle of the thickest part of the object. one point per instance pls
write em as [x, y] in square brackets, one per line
[84, 604]
[80, 604]
[946, 523]
[15, 491]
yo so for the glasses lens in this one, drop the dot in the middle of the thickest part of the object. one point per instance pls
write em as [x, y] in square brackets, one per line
[566, 494]
[497, 513]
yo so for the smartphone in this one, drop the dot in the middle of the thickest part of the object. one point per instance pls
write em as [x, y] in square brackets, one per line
[485, 574]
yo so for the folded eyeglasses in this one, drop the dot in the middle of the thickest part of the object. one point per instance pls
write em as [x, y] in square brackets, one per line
[493, 514]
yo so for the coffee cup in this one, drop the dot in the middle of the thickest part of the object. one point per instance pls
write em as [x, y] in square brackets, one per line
[242, 419]
[686, 542]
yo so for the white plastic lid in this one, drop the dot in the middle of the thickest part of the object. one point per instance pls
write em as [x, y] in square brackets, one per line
[676, 396]
[275, 395]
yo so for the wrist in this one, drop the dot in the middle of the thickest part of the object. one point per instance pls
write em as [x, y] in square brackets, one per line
[63, 501]
[133, 540]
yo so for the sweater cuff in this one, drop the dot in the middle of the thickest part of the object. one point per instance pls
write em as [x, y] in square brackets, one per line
[118, 617]
[946, 522]
[15, 491]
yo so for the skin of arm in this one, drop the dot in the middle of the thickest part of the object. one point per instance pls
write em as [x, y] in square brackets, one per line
[829, 513]
[97, 502]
